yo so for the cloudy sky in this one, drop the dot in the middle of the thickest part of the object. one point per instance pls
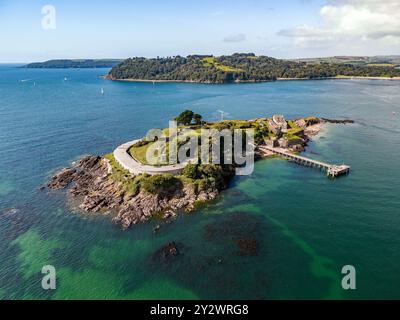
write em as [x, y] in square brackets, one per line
[123, 28]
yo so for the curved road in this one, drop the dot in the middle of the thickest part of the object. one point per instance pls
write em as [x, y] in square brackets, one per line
[135, 167]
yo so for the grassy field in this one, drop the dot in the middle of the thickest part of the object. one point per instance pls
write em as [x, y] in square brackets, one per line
[380, 65]
[212, 62]
[139, 153]
[129, 183]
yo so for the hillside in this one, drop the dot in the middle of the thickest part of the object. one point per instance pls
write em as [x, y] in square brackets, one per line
[392, 60]
[82, 63]
[239, 67]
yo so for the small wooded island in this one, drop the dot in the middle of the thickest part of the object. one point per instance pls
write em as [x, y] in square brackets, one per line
[133, 195]
[244, 67]
[73, 64]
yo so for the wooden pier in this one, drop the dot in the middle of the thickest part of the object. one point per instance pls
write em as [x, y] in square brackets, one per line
[331, 169]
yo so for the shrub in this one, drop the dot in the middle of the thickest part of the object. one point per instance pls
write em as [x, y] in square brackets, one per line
[212, 171]
[161, 183]
[191, 171]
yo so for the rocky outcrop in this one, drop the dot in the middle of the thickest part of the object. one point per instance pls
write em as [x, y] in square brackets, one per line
[62, 179]
[143, 206]
[90, 182]
[166, 253]
[345, 121]
[240, 230]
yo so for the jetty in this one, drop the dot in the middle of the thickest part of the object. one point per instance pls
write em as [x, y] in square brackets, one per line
[332, 170]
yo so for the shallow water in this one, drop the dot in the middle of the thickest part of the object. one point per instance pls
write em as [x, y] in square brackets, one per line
[283, 233]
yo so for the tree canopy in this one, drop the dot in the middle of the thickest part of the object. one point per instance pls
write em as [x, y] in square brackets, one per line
[84, 63]
[239, 67]
[185, 118]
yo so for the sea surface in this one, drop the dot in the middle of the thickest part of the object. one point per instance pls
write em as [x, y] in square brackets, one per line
[284, 232]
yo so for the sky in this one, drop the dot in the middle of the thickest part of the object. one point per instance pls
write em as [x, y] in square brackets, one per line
[36, 30]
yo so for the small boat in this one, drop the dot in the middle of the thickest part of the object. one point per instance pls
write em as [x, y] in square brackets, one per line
[65, 79]
[102, 91]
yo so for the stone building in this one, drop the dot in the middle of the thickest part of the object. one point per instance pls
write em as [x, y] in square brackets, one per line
[277, 124]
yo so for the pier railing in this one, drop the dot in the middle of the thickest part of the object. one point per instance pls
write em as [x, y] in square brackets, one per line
[331, 169]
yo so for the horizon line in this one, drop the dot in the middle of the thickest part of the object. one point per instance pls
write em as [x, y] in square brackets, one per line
[194, 54]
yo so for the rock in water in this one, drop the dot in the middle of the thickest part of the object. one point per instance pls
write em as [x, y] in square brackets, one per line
[167, 252]
[62, 179]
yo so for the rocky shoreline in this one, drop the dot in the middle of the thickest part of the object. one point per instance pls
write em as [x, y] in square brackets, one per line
[89, 182]
[109, 77]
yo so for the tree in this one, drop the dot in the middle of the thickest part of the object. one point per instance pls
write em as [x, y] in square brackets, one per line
[198, 119]
[226, 69]
[185, 118]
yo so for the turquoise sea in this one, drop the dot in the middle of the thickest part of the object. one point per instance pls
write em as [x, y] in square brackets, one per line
[303, 227]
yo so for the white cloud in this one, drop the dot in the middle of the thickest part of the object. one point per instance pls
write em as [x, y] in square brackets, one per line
[359, 23]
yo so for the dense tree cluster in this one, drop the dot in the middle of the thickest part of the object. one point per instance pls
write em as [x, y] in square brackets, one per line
[65, 64]
[246, 67]
[188, 117]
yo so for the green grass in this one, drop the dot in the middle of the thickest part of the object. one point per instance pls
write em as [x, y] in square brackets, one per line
[209, 61]
[139, 153]
[294, 131]
[130, 183]
[293, 125]
[133, 185]
[291, 137]
[212, 62]
[227, 68]
[229, 124]
[380, 65]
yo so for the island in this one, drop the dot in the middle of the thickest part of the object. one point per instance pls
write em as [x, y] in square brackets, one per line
[247, 67]
[130, 188]
[74, 64]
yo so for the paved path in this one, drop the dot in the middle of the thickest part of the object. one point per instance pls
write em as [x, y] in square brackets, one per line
[126, 161]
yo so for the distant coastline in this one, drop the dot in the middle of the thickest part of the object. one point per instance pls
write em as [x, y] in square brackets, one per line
[342, 78]
[243, 68]
[73, 64]
[254, 81]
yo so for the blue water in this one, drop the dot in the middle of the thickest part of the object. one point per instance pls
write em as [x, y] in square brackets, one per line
[305, 226]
